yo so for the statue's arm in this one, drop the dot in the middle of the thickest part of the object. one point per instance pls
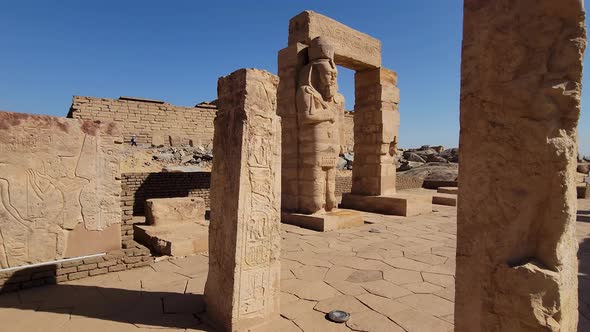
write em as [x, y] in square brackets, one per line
[312, 108]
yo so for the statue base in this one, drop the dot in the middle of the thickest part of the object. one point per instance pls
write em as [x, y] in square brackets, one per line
[397, 204]
[326, 221]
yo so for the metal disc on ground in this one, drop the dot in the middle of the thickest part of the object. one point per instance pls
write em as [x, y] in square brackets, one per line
[338, 316]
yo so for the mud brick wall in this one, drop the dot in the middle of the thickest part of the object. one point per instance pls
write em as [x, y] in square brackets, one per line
[151, 121]
[134, 256]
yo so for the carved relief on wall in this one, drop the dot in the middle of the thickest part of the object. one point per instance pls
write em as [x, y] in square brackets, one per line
[53, 177]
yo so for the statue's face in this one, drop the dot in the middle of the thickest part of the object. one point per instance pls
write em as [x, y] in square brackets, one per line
[327, 75]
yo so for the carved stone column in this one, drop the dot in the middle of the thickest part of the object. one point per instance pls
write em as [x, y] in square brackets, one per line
[521, 81]
[242, 288]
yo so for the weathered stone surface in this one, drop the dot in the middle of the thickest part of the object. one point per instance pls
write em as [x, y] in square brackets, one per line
[520, 100]
[353, 49]
[167, 211]
[242, 288]
[58, 188]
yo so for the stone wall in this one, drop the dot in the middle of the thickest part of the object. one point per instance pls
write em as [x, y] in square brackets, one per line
[59, 188]
[151, 121]
[115, 261]
[347, 131]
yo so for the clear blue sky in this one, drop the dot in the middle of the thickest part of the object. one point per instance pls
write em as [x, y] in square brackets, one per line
[176, 50]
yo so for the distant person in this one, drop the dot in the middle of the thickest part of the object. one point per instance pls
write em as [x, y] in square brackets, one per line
[133, 140]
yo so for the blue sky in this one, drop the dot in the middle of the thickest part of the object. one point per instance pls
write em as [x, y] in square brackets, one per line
[176, 50]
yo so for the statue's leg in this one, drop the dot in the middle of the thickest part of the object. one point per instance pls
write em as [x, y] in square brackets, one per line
[331, 189]
[312, 190]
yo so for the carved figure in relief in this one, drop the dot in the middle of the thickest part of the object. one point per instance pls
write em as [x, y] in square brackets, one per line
[318, 109]
[37, 204]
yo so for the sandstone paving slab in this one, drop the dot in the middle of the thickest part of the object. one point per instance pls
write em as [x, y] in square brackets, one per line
[97, 325]
[316, 321]
[287, 274]
[426, 258]
[365, 276]
[151, 287]
[310, 272]
[290, 264]
[280, 324]
[438, 279]
[192, 266]
[381, 304]
[360, 263]
[293, 309]
[338, 273]
[407, 264]
[390, 253]
[183, 304]
[369, 254]
[385, 289]
[196, 285]
[447, 294]
[448, 268]
[345, 303]
[429, 303]
[412, 320]
[347, 287]
[372, 321]
[288, 298]
[37, 321]
[401, 276]
[422, 288]
[165, 265]
[309, 290]
[178, 321]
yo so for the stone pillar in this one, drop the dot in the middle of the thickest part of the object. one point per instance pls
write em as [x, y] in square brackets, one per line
[242, 288]
[290, 61]
[520, 102]
[376, 123]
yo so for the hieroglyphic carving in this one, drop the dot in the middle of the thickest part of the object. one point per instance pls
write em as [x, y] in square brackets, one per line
[55, 175]
[245, 202]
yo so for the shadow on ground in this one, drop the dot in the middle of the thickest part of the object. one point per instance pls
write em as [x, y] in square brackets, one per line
[144, 309]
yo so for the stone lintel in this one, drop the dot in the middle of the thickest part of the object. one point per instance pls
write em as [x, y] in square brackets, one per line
[353, 49]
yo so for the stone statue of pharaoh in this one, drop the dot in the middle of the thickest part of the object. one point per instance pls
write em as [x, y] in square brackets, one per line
[318, 111]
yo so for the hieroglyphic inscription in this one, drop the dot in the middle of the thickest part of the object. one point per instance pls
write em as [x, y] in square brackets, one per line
[245, 203]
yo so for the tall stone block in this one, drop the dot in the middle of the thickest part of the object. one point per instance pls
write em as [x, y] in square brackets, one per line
[375, 129]
[242, 288]
[520, 102]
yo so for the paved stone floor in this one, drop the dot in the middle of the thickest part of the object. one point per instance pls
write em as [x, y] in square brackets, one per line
[392, 274]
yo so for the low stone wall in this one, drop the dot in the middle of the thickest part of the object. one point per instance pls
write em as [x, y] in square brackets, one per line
[134, 256]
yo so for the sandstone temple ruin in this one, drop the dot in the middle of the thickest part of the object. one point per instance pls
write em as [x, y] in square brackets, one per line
[274, 236]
